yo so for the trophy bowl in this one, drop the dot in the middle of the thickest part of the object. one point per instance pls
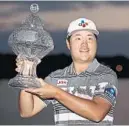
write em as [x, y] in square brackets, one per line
[30, 42]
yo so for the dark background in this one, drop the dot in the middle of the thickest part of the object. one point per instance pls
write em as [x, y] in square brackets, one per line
[53, 62]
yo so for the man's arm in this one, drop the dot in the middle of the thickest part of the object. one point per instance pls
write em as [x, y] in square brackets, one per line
[94, 110]
[29, 105]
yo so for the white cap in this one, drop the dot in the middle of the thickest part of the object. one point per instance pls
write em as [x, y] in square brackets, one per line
[82, 24]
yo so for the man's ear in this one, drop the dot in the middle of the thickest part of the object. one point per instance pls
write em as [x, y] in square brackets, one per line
[68, 44]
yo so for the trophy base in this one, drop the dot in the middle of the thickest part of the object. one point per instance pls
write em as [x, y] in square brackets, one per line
[23, 82]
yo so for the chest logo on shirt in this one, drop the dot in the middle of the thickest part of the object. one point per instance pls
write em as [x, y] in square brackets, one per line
[62, 82]
[83, 91]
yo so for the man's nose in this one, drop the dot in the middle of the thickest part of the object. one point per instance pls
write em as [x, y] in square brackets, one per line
[84, 42]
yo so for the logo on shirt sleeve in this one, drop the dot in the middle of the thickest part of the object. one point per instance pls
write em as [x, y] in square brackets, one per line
[111, 92]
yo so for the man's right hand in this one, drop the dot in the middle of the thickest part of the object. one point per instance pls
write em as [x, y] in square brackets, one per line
[24, 66]
[19, 64]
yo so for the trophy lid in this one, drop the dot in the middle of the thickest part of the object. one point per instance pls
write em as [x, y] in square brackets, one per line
[34, 8]
[31, 39]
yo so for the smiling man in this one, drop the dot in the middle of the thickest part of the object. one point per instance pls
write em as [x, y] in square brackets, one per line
[83, 93]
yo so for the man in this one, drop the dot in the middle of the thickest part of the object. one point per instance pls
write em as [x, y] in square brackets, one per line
[83, 93]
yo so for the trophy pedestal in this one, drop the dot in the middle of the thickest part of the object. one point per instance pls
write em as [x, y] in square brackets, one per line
[23, 82]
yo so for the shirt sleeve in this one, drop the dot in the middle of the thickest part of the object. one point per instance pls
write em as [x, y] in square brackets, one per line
[47, 101]
[107, 88]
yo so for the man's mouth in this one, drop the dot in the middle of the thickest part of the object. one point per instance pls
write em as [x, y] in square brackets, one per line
[84, 50]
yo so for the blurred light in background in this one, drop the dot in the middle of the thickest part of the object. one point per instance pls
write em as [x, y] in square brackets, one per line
[119, 68]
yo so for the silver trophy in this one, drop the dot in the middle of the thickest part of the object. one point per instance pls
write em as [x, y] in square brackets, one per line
[29, 42]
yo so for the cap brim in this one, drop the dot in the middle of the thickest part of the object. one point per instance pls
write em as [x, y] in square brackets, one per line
[93, 31]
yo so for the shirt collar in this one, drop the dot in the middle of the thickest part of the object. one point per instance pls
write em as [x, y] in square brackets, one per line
[91, 68]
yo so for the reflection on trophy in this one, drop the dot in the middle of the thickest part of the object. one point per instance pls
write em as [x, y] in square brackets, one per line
[30, 42]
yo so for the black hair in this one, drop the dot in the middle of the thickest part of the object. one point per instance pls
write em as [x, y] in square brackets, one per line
[68, 38]
[96, 36]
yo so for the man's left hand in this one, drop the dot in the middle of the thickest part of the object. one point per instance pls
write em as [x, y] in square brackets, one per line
[45, 91]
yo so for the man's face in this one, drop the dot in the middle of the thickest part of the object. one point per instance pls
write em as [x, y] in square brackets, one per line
[82, 46]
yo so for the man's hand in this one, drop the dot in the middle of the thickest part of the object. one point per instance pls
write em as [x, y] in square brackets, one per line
[19, 64]
[24, 66]
[46, 91]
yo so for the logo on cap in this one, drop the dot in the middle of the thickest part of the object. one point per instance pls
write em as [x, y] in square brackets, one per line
[83, 23]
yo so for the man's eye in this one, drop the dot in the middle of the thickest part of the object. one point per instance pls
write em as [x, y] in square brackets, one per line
[90, 39]
[78, 38]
